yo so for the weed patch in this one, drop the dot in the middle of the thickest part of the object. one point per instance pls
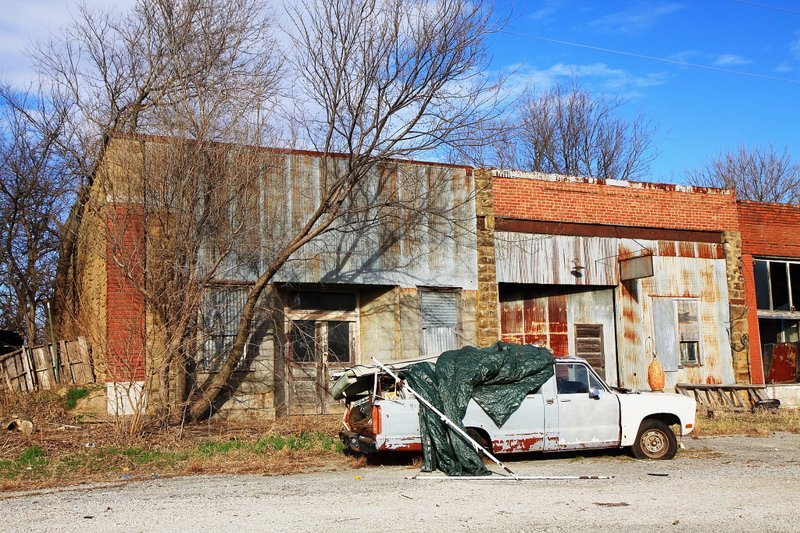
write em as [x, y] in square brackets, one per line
[760, 423]
[96, 453]
[73, 395]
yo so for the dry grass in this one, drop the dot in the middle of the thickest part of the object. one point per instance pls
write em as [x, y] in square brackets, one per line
[65, 450]
[760, 423]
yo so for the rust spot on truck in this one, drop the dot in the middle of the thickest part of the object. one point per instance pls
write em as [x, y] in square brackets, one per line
[411, 444]
[512, 445]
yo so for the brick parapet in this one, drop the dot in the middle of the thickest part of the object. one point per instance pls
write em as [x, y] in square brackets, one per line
[590, 201]
[768, 229]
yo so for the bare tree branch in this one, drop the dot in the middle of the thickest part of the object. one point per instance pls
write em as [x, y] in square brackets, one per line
[761, 174]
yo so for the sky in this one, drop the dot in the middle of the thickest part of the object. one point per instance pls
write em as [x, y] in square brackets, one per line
[710, 74]
[743, 86]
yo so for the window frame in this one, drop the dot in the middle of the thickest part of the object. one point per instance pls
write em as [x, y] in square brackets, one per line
[321, 319]
[698, 342]
[793, 306]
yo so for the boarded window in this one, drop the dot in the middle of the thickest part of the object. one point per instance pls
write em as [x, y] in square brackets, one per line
[222, 308]
[666, 335]
[676, 323]
[589, 345]
[439, 316]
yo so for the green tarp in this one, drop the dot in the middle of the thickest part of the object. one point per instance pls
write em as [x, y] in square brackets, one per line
[498, 378]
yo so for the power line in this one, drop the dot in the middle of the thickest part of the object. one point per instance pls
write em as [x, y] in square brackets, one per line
[652, 58]
[766, 6]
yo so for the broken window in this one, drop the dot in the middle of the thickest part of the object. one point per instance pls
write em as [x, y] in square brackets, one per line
[222, 308]
[322, 327]
[761, 273]
[777, 285]
[688, 332]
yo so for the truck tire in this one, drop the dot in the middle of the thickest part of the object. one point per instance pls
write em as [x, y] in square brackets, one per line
[655, 440]
[480, 437]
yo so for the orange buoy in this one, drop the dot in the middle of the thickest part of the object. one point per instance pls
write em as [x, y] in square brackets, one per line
[655, 375]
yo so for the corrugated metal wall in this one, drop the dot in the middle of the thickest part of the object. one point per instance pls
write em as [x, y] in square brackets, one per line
[682, 270]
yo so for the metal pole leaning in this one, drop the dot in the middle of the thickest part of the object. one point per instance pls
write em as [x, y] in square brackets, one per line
[446, 420]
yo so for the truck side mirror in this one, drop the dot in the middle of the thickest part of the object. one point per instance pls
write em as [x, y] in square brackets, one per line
[594, 393]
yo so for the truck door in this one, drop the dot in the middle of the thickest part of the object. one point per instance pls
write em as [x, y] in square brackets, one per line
[585, 420]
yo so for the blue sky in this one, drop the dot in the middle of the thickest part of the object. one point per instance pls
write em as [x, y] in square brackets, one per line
[698, 111]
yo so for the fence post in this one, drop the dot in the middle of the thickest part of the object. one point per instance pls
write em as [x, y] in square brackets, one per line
[53, 347]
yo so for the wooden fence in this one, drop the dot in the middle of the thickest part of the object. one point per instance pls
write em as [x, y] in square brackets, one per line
[42, 368]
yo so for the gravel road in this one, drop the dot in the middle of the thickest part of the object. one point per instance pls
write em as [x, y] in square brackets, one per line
[721, 483]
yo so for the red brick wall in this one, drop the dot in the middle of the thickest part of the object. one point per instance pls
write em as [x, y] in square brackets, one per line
[125, 311]
[595, 202]
[767, 230]
[770, 229]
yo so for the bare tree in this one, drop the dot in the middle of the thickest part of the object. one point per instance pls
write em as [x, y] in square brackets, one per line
[33, 194]
[761, 174]
[375, 79]
[203, 69]
[567, 130]
[372, 80]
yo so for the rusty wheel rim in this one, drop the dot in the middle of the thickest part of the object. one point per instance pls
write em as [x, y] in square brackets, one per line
[654, 443]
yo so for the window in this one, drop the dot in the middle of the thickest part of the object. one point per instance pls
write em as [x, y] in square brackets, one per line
[222, 308]
[322, 327]
[575, 378]
[676, 327]
[777, 285]
[688, 332]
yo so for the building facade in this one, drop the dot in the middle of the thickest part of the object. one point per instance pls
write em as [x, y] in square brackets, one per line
[771, 259]
[616, 272]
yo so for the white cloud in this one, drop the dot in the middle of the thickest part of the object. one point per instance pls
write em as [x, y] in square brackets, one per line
[731, 60]
[545, 11]
[783, 68]
[597, 77]
[639, 18]
[794, 46]
[27, 21]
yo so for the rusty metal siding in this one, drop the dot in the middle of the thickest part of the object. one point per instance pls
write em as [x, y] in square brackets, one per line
[676, 277]
[555, 259]
[411, 249]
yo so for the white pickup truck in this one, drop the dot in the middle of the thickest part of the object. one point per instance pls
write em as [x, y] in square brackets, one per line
[573, 410]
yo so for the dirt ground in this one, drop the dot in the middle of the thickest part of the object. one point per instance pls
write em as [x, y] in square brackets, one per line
[716, 483]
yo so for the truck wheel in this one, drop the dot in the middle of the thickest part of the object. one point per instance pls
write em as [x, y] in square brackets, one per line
[655, 441]
[480, 437]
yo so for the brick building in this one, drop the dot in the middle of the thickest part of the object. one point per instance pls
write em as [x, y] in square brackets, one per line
[771, 259]
[615, 271]
[608, 270]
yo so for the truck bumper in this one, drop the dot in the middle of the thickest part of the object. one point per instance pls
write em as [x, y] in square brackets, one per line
[357, 443]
